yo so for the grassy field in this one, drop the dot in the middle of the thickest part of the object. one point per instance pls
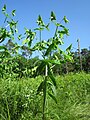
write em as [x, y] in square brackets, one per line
[18, 99]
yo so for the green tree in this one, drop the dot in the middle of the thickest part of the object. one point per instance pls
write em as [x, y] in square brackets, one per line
[85, 59]
[45, 48]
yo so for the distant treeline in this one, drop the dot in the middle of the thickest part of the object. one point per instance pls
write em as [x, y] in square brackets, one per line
[23, 65]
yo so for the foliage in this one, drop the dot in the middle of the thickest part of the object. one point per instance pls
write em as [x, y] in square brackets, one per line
[44, 47]
[15, 63]
[18, 99]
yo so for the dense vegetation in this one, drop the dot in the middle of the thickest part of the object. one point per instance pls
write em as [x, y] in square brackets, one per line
[18, 99]
[28, 83]
[22, 66]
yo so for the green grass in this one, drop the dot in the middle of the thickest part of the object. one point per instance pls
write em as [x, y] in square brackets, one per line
[18, 99]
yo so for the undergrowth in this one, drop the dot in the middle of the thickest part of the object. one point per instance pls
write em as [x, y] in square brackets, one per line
[18, 99]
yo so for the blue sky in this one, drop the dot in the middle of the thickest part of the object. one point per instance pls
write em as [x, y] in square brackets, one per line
[77, 11]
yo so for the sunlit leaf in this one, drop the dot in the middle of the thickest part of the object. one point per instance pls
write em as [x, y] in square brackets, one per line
[50, 48]
[40, 21]
[29, 42]
[19, 36]
[4, 8]
[25, 41]
[66, 31]
[58, 24]
[40, 68]
[3, 34]
[62, 26]
[29, 36]
[69, 48]
[52, 77]
[13, 12]
[66, 56]
[53, 61]
[47, 26]
[52, 87]
[53, 97]
[40, 88]
[40, 29]
[53, 17]
[60, 42]
[65, 19]
[61, 35]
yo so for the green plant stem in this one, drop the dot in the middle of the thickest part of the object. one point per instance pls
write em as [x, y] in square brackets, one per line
[40, 36]
[46, 71]
[56, 31]
[44, 92]
[44, 98]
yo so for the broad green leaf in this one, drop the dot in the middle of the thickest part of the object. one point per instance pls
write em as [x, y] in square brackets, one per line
[4, 8]
[53, 97]
[59, 40]
[16, 48]
[29, 36]
[36, 47]
[67, 57]
[47, 26]
[65, 19]
[40, 68]
[12, 24]
[34, 69]
[53, 17]
[29, 43]
[40, 88]
[57, 116]
[52, 77]
[53, 61]
[58, 24]
[39, 46]
[40, 21]
[19, 37]
[50, 48]
[52, 87]
[13, 12]
[62, 26]
[49, 42]
[56, 57]
[61, 35]
[69, 48]
[65, 31]
[40, 29]
[25, 41]
[3, 35]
